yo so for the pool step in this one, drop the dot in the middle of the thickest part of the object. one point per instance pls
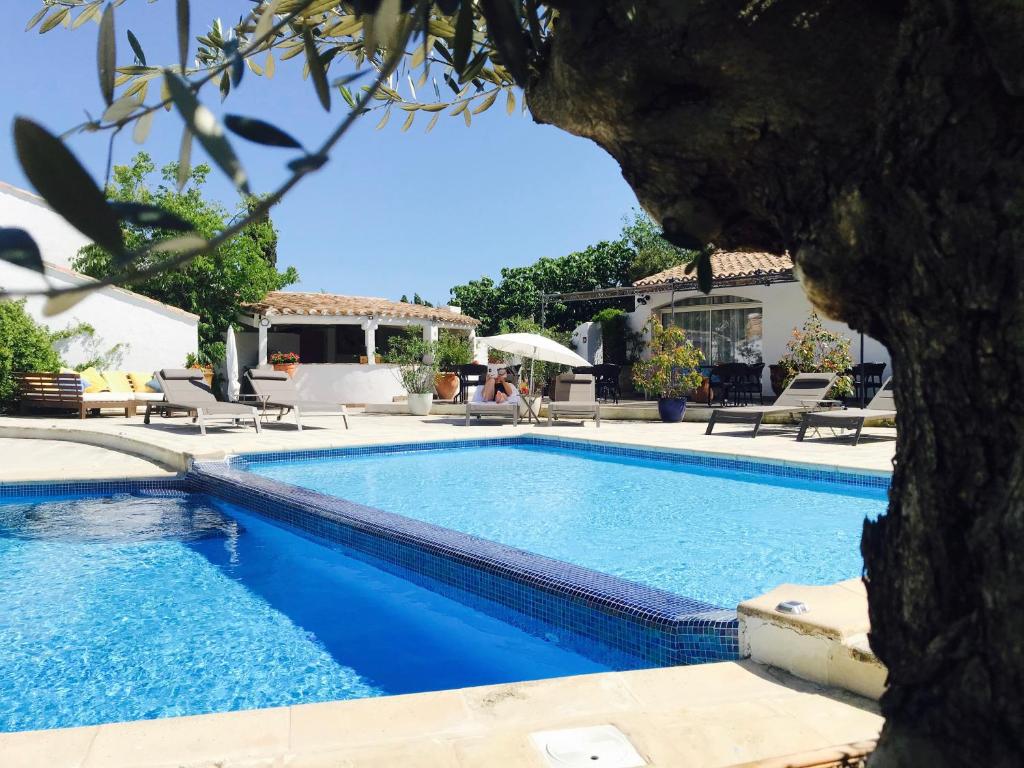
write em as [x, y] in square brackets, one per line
[827, 644]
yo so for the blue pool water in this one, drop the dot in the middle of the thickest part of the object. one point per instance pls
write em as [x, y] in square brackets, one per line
[149, 606]
[717, 536]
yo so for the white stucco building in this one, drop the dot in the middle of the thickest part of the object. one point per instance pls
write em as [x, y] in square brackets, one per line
[133, 331]
[338, 339]
[750, 314]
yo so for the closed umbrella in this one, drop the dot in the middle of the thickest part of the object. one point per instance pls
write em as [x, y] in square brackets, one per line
[535, 347]
[231, 365]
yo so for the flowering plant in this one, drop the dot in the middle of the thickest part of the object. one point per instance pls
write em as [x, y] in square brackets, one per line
[815, 349]
[673, 368]
[284, 358]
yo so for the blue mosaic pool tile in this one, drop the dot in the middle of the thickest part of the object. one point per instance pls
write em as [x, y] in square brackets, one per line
[177, 484]
[588, 610]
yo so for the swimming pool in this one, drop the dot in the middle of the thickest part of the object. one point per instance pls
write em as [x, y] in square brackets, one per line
[712, 533]
[160, 603]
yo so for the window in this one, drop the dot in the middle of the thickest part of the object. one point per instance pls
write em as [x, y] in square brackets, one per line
[727, 329]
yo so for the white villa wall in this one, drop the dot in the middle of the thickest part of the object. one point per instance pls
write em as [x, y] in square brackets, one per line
[785, 307]
[151, 335]
[348, 382]
[58, 241]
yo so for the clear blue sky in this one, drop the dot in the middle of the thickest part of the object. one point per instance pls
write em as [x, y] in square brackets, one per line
[392, 213]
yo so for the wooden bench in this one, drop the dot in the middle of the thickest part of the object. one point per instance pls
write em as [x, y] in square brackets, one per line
[63, 391]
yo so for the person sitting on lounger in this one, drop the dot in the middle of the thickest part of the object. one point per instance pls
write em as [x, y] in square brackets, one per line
[498, 389]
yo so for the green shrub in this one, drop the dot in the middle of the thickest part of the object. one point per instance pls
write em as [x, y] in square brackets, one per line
[25, 345]
[815, 349]
[673, 369]
[453, 348]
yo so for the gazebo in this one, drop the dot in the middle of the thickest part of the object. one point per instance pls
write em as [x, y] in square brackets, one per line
[339, 340]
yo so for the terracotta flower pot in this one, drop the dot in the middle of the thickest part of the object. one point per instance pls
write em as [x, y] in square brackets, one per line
[446, 385]
[288, 368]
[207, 373]
[778, 377]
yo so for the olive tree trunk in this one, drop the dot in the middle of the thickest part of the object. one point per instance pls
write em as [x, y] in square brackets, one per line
[882, 143]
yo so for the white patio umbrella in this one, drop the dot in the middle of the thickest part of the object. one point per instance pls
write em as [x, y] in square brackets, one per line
[231, 365]
[535, 347]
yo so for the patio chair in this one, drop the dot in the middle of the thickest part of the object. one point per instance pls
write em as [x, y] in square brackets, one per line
[276, 389]
[607, 381]
[185, 390]
[882, 406]
[470, 375]
[574, 398]
[804, 393]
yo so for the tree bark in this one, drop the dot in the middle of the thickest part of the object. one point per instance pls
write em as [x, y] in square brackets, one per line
[882, 143]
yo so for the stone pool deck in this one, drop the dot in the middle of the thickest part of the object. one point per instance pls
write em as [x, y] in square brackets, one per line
[709, 715]
[173, 442]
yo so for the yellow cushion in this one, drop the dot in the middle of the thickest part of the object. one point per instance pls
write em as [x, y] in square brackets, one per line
[140, 381]
[94, 381]
[118, 381]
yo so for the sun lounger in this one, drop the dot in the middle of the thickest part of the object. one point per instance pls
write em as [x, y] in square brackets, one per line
[275, 389]
[64, 392]
[185, 390]
[476, 406]
[803, 394]
[574, 398]
[882, 406]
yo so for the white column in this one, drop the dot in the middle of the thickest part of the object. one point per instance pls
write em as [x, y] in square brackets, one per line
[430, 337]
[370, 332]
[262, 356]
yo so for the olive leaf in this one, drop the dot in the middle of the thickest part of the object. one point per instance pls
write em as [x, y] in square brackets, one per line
[204, 126]
[142, 128]
[266, 22]
[183, 16]
[504, 29]
[178, 244]
[18, 247]
[62, 181]
[259, 132]
[150, 216]
[106, 55]
[140, 56]
[316, 70]
[463, 37]
[184, 159]
[307, 163]
[62, 302]
[237, 63]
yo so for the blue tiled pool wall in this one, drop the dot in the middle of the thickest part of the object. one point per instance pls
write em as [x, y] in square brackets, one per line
[594, 613]
[50, 488]
[762, 469]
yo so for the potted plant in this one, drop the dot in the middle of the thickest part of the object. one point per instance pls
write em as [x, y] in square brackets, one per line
[670, 372]
[416, 366]
[285, 361]
[453, 350]
[815, 349]
[199, 363]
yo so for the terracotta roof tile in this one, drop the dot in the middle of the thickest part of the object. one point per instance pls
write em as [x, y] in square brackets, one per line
[726, 265]
[278, 303]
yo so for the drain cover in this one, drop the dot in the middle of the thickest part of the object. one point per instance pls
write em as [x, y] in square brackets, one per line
[600, 745]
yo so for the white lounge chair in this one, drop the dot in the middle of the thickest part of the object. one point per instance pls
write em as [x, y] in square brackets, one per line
[882, 406]
[185, 390]
[275, 389]
[476, 406]
[803, 394]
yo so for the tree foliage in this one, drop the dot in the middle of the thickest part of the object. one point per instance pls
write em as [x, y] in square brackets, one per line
[608, 264]
[25, 345]
[213, 285]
